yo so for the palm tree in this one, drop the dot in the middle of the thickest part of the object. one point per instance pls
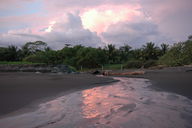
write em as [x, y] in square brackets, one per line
[12, 53]
[150, 51]
[111, 53]
[164, 48]
[124, 52]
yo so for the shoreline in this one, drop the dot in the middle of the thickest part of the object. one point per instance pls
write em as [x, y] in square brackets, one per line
[24, 91]
[172, 79]
[127, 103]
[177, 80]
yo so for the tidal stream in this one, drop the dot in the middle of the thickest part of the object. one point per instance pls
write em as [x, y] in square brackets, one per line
[129, 103]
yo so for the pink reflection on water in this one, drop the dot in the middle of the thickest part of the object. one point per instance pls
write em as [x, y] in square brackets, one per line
[127, 103]
[92, 101]
[102, 101]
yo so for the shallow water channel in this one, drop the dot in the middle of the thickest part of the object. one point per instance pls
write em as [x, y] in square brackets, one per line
[131, 102]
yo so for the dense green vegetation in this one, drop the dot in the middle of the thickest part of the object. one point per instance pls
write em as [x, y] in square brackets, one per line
[180, 54]
[108, 57]
[16, 63]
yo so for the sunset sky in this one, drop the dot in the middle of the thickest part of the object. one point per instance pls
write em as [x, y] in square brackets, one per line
[94, 22]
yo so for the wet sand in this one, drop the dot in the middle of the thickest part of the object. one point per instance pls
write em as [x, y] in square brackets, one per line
[18, 90]
[171, 79]
[177, 80]
[128, 103]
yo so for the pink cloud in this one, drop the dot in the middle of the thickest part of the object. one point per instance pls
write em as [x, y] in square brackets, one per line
[68, 30]
[100, 18]
[96, 19]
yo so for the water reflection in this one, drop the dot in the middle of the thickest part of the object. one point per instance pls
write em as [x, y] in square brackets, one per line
[91, 100]
[100, 101]
[127, 103]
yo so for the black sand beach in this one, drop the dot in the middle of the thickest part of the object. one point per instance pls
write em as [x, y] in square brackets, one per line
[18, 90]
[177, 80]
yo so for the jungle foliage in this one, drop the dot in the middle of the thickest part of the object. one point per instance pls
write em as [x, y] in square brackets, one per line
[88, 57]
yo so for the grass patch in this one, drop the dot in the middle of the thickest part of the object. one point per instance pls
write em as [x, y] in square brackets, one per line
[16, 62]
[133, 64]
[112, 67]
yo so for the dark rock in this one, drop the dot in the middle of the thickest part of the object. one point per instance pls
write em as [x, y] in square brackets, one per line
[96, 72]
[62, 68]
[36, 68]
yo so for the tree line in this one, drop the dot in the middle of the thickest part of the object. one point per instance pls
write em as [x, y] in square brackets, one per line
[89, 57]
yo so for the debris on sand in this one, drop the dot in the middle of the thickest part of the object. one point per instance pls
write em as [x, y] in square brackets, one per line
[106, 73]
[96, 72]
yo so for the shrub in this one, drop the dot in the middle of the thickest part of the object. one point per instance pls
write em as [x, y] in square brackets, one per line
[187, 52]
[134, 64]
[35, 59]
[72, 68]
[174, 57]
[48, 57]
[150, 63]
[170, 61]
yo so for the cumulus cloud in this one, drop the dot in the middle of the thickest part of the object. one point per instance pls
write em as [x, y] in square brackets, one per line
[134, 34]
[174, 17]
[69, 30]
[100, 18]
[92, 22]
[18, 37]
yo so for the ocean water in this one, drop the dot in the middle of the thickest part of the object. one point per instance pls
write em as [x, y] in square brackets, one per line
[129, 103]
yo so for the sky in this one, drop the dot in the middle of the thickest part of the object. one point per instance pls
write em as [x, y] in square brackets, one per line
[95, 23]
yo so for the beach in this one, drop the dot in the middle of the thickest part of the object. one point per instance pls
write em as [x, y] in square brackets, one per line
[96, 100]
[175, 79]
[129, 102]
[21, 89]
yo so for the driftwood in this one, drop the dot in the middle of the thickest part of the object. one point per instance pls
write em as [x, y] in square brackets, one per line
[123, 73]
